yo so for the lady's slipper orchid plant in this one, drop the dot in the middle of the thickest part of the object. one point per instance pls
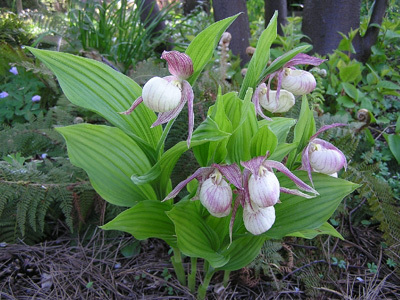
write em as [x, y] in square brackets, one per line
[168, 95]
[271, 103]
[297, 82]
[321, 156]
[258, 191]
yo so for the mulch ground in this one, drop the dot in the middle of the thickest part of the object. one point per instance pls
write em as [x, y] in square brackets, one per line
[95, 269]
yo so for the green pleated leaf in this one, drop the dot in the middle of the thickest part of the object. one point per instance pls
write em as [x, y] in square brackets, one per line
[195, 237]
[303, 130]
[264, 140]
[208, 130]
[201, 49]
[280, 126]
[239, 143]
[260, 58]
[97, 87]
[109, 157]
[297, 213]
[146, 219]
[394, 144]
[325, 228]
[282, 60]
[282, 150]
[242, 251]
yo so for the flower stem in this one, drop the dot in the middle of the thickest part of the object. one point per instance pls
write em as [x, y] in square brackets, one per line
[178, 266]
[201, 292]
[226, 278]
[192, 275]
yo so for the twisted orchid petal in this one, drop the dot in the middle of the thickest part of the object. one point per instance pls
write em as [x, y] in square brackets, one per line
[179, 64]
[256, 100]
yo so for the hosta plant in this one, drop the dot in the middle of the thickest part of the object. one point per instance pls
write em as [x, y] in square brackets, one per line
[249, 183]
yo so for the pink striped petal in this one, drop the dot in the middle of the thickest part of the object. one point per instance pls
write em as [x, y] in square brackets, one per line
[304, 59]
[256, 101]
[134, 105]
[325, 128]
[232, 173]
[179, 64]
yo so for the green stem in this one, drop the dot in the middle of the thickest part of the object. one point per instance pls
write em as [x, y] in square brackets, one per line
[178, 266]
[164, 136]
[226, 278]
[201, 292]
[192, 275]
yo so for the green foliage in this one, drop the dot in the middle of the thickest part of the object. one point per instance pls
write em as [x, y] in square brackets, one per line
[115, 29]
[14, 30]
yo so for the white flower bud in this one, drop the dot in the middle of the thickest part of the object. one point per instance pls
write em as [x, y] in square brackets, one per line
[264, 189]
[298, 82]
[160, 95]
[326, 161]
[283, 104]
[258, 220]
[216, 195]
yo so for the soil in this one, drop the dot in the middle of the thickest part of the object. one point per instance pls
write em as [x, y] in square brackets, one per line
[81, 268]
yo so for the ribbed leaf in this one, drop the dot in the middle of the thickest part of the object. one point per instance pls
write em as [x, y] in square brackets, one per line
[202, 47]
[280, 126]
[99, 88]
[146, 219]
[262, 141]
[325, 228]
[195, 237]
[282, 60]
[297, 213]
[260, 58]
[110, 157]
[242, 251]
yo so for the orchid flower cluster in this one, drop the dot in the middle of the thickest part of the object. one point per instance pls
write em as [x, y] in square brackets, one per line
[257, 187]
[253, 184]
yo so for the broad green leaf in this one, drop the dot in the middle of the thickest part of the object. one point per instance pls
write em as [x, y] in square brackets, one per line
[195, 237]
[394, 145]
[282, 150]
[238, 144]
[209, 130]
[350, 90]
[109, 157]
[345, 101]
[297, 213]
[97, 87]
[350, 73]
[388, 85]
[260, 57]
[325, 228]
[264, 140]
[304, 129]
[242, 251]
[201, 49]
[282, 60]
[146, 219]
[280, 126]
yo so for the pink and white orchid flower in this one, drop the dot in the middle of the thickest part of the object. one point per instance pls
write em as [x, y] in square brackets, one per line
[295, 81]
[257, 190]
[321, 156]
[168, 95]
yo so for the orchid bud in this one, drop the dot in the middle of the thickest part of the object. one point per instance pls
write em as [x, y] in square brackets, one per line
[325, 160]
[161, 95]
[298, 82]
[216, 195]
[258, 220]
[283, 104]
[264, 188]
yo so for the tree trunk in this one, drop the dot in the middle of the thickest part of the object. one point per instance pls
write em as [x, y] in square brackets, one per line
[190, 5]
[363, 44]
[322, 20]
[270, 7]
[19, 6]
[240, 29]
[151, 12]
